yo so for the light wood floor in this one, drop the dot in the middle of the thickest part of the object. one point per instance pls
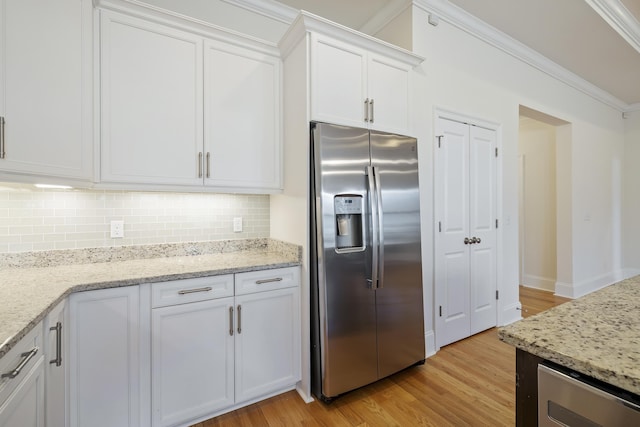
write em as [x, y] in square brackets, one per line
[467, 383]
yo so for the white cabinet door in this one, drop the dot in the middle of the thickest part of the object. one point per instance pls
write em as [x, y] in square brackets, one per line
[56, 360]
[151, 106]
[390, 94]
[338, 82]
[45, 87]
[25, 406]
[465, 247]
[267, 342]
[353, 87]
[192, 360]
[104, 380]
[22, 382]
[242, 118]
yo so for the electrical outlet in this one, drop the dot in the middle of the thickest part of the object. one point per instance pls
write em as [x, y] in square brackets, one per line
[237, 224]
[117, 229]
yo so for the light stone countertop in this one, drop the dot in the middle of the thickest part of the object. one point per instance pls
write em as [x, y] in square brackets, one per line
[597, 335]
[29, 292]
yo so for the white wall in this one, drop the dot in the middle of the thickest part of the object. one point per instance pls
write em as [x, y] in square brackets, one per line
[631, 195]
[466, 75]
[537, 148]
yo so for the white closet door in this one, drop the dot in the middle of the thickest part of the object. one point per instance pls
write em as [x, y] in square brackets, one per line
[482, 203]
[465, 208]
[452, 211]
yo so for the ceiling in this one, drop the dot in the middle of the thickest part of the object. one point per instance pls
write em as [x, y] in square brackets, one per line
[582, 36]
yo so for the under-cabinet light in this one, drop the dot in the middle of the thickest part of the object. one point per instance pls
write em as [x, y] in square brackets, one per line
[58, 187]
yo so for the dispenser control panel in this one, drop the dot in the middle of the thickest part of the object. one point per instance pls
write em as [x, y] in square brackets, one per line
[348, 205]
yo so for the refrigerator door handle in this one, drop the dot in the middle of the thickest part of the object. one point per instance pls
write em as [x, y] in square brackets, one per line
[380, 248]
[373, 208]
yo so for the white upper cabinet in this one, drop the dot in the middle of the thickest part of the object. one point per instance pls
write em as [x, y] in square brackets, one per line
[151, 86]
[186, 108]
[354, 87]
[242, 117]
[45, 88]
[356, 80]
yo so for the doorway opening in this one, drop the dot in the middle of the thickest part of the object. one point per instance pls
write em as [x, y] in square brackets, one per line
[544, 153]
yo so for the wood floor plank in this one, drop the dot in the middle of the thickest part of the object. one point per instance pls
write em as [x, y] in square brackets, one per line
[467, 383]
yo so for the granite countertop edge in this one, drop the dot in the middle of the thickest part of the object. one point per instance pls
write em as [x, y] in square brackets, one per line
[595, 335]
[260, 258]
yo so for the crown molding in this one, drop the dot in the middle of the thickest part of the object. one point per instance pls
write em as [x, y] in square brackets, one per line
[308, 22]
[619, 18]
[632, 108]
[465, 21]
[385, 16]
[268, 8]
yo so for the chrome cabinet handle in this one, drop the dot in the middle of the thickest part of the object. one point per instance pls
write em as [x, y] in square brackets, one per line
[27, 356]
[208, 164]
[467, 241]
[239, 319]
[58, 359]
[478, 240]
[231, 321]
[263, 281]
[192, 291]
[366, 110]
[371, 114]
[2, 154]
[200, 164]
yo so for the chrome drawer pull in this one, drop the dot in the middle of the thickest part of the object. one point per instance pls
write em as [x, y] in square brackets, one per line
[27, 357]
[58, 359]
[192, 291]
[263, 281]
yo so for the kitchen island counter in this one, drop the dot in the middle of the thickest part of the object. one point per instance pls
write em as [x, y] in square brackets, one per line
[32, 284]
[597, 335]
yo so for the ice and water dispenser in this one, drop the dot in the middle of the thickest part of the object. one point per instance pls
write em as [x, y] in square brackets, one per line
[348, 217]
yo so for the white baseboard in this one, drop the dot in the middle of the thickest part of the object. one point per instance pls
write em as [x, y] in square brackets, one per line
[576, 290]
[537, 282]
[430, 343]
[510, 313]
[303, 394]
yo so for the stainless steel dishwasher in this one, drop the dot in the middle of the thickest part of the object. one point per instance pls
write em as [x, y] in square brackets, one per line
[566, 398]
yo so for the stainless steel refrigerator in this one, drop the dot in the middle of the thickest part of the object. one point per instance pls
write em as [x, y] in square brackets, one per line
[366, 273]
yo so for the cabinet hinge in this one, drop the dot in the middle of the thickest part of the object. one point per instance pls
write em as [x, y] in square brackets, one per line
[439, 227]
[440, 311]
[439, 137]
[496, 151]
[496, 223]
[497, 294]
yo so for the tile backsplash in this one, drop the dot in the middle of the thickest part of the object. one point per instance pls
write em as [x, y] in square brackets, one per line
[34, 219]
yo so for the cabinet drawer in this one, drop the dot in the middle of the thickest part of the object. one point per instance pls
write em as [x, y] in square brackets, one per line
[191, 290]
[267, 280]
[19, 361]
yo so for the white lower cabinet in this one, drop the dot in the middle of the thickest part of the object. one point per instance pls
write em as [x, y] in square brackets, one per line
[104, 362]
[213, 351]
[22, 383]
[55, 365]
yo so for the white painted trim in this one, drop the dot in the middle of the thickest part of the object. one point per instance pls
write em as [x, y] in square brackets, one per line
[268, 8]
[619, 18]
[633, 107]
[385, 15]
[307, 22]
[430, 343]
[178, 21]
[537, 282]
[576, 290]
[511, 313]
[307, 398]
[463, 20]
